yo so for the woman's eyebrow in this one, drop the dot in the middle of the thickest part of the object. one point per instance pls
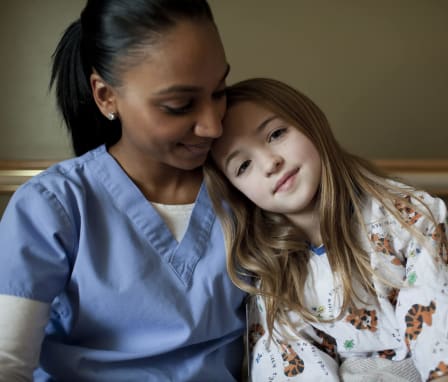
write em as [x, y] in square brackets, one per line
[189, 88]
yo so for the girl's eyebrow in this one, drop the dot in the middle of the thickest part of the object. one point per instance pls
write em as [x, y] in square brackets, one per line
[230, 157]
[189, 88]
[258, 130]
[263, 124]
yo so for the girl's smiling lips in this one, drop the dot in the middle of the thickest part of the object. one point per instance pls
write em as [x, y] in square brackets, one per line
[285, 181]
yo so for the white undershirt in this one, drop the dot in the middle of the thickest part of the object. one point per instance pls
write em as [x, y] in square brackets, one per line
[23, 321]
[176, 217]
[22, 324]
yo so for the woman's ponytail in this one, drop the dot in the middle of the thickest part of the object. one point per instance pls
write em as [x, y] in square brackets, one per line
[71, 75]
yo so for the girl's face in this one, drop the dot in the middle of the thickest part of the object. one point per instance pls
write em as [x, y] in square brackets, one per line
[271, 162]
[172, 103]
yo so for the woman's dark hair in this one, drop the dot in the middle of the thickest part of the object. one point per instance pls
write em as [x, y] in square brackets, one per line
[108, 34]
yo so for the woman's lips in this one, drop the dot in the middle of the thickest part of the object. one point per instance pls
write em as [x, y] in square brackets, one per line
[198, 148]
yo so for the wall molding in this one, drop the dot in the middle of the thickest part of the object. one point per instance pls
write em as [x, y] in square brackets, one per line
[428, 174]
[413, 165]
[15, 172]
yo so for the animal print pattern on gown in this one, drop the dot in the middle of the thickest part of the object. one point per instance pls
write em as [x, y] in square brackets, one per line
[409, 323]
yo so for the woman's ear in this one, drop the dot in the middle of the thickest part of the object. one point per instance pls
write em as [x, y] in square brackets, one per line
[104, 95]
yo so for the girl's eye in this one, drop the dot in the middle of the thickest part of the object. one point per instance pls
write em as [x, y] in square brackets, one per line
[242, 168]
[277, 134]
[178, 110]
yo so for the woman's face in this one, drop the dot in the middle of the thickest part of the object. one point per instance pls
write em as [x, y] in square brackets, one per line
[270, 161]
[171, 104]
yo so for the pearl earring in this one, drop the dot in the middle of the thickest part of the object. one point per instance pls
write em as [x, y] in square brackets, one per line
[112, 116]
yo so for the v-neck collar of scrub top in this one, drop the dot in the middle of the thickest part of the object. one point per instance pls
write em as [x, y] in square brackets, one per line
[182, 256]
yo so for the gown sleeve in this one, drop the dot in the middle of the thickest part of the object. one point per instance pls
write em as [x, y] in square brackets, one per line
[422, 305]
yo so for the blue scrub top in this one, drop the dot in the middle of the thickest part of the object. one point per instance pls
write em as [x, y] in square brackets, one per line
[128, 302]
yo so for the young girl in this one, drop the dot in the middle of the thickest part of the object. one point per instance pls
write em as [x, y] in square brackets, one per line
[350, 266]
[113, 263]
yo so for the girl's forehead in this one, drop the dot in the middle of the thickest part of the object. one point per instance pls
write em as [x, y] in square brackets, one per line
[241, 128]
[245, 117]
[244, 112]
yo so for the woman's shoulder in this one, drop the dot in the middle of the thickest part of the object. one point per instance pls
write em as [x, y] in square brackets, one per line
[69, 173]
[62, 184]
[70, 168]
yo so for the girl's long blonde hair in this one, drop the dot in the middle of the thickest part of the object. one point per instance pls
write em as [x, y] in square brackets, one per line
[266, 246]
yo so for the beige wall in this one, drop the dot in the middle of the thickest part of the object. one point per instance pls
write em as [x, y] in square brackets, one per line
[377, 68]
[3, 202]
[29, 31]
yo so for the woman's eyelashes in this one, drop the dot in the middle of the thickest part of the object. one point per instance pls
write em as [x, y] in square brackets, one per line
[186, 107]
[178, 110]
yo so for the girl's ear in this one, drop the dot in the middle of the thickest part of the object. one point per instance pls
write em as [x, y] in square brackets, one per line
[103, 94]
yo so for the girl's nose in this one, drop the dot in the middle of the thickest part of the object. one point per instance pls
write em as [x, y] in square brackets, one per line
[273, 164]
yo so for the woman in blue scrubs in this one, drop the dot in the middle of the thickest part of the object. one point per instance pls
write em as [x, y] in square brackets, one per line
[113, 262]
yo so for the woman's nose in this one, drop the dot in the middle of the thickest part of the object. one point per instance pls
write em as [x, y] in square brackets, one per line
[209, 121]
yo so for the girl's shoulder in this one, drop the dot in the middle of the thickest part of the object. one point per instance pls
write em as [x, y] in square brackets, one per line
[413, 205]
[397, 223]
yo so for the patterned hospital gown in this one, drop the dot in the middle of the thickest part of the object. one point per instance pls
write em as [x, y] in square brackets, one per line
[411, 321]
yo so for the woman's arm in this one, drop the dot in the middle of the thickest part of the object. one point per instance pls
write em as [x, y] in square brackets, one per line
[22, 324]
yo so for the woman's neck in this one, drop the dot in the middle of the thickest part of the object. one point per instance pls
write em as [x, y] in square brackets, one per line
[180, 188]
[160, 183]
